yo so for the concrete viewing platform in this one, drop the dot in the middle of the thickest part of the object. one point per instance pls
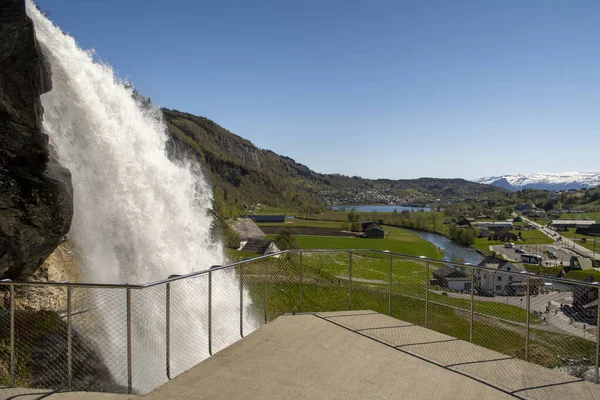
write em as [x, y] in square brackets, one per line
[358, 355]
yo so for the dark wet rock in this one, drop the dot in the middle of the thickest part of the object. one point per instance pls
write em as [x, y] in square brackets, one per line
[36, 200]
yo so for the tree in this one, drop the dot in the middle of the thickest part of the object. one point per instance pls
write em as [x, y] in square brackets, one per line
[353, 218]
[286, 239]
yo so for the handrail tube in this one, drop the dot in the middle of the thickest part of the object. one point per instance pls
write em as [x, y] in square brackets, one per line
[219, 267]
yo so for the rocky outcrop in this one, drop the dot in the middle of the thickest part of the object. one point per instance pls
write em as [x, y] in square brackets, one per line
[36, 201]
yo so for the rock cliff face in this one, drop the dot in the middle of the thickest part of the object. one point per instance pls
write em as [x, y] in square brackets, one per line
[36, 201]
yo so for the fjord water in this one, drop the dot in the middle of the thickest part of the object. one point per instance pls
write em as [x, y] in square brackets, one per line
[138, 216]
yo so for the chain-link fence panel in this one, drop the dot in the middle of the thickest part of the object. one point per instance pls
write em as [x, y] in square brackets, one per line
[325, 281]
[99, 339]
[408, 288]
[448, 299]
[563, 328]
[369, 284]
[500, 310]
[189, 323]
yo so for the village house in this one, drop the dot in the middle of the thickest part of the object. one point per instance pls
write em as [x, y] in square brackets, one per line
[465, 221]
[374, 232]
[260, 246]
[585, 299]
[504, 235]
[246, 229]
[492, 281]
[452, 278]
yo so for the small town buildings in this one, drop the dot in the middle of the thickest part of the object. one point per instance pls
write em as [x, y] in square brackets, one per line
[374, 232]
[524, 207]
[505, 235]
[592, 230]
[535, 213]
[260, 246]
[452, 278]
[465, 221]
[490, 280]
[571, 223]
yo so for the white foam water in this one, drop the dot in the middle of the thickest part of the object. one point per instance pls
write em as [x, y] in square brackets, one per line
[138, 216]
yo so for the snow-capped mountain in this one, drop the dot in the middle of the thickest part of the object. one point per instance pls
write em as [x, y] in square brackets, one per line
[547, 181]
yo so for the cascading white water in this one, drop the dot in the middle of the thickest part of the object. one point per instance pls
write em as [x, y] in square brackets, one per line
[138, 216]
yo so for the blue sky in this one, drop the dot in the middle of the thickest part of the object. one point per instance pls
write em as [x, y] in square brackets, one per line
[380, 89]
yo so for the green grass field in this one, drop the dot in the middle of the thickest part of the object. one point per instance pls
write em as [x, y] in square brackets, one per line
[306, 222]
[399, 241]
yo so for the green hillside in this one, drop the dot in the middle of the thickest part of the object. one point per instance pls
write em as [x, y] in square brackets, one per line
[244, 175]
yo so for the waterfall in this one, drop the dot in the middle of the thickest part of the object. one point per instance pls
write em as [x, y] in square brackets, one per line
[138, 216]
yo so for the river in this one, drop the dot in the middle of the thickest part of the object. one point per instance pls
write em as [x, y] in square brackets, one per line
[451, 249]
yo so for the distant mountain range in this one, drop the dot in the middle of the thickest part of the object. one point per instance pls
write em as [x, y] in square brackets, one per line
[545, 181]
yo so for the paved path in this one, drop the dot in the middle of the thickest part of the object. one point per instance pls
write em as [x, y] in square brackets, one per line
[363, 354]
[357, 355]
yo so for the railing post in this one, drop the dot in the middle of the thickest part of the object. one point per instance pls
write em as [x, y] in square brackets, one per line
[241, 301]
[12, 335]
[472, 306]
[69, 341]
[301, 267]
[427, 294]
[350, 281]
[597, 335]
[168, 329]
[210, 313]
[266, 294]
[528, 304]
[390, 287]
[129, 367]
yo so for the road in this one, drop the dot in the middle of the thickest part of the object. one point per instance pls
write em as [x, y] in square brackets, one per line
[566, 241]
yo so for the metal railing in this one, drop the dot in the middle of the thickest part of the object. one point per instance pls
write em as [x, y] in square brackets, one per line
[132, 338]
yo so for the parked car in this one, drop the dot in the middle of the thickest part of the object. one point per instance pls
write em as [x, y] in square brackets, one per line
[509, 245]
[520, 250]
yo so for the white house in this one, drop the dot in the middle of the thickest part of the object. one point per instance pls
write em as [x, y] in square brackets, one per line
[492, 281]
